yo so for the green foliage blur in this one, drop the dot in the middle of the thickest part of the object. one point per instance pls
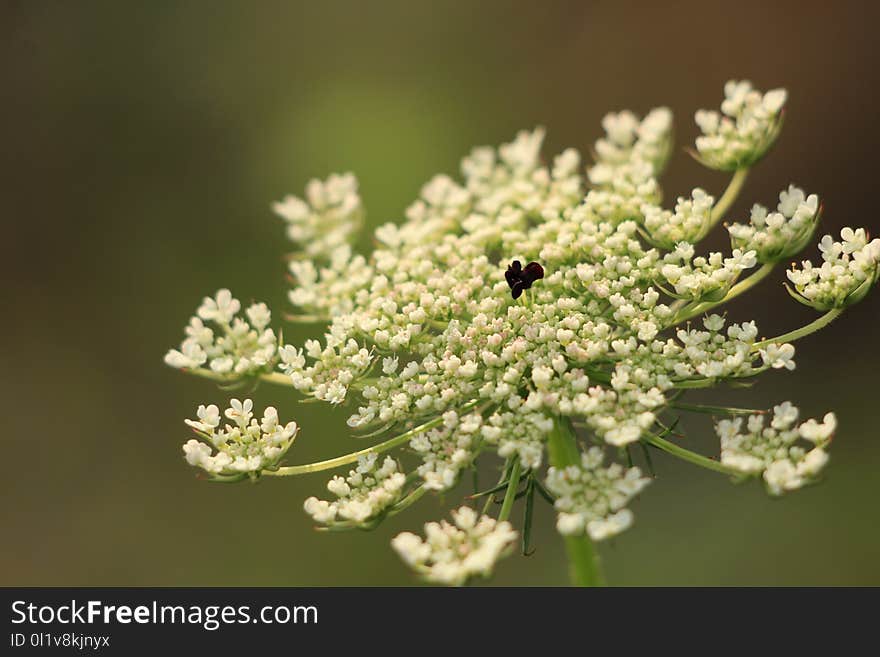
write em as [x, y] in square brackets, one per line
[143, 143]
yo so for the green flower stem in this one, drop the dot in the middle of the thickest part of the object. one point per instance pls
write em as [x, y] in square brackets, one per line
[715, 410]
[803, 331]
[278, 378]
[491, 497]
[743, 286]
[305, 319]
[584, 567]
[407, 501]
[510, 495]
[339, 461]
[734, 187]
[689, 456]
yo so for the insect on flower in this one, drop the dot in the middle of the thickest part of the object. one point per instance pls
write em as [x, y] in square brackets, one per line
[520, 278]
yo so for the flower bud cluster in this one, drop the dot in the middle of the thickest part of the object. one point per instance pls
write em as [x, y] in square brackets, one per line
[235, 346]
[247, 445]
[773, 450]
[453, 553]
[330, 215]
[591, 498]
[774, 236]
[703, 278]
[688, 223]
[446, 450]
[745, 129]
[849, 269]
[366, 493]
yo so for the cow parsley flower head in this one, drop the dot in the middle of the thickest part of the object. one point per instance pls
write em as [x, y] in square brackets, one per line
[692, 217]
[592, 498]
[330, 216]
[703, 278]
[774, 451]
[775, 236]
[247, 446]
[228, 344]
[744, 130]
[848, 271]
[535, 314]
[453, 553]
[368, 491]
[628, 139]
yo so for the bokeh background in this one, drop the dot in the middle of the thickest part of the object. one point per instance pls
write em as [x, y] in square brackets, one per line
[142, 143]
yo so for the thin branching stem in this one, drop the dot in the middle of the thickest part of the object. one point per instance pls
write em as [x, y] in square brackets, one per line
[689, 456]
[803, 331]
[512, 485]
[339, 461]
[583, 561]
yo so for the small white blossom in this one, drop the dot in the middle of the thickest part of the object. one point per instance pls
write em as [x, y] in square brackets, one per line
[774, 236]
[245, 447]
[745, 129]
[367, 492]
[329, 217]
[778, 356]
[451, 554]
[234, 347]
[521, 433]
[773, 450]
[591, 498]
[689, 222]
[849, 269]
[445, 451]
[627, 139]
[703, 278]
[819, 432]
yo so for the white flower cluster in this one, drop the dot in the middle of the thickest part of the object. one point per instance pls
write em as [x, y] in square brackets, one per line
[246, 446]
[519, 433]
[745, 129]
[703, 278]
[629, 140]
[366, 493]
[452, 554]
[715, 354]
[330, 216]
[338, 365]
[689, 222]
[446, 450]
[324, 291]
[773, 450]
[425, 341]
[591, 498]
[774, 236]
[235, 346]
[850, 268]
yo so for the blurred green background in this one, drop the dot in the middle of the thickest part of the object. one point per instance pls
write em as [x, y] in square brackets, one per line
[142, 145]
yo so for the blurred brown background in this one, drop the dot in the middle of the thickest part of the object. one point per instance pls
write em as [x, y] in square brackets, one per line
[143, 143]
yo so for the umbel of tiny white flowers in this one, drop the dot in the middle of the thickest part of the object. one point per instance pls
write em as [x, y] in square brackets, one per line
[591, 498]
[849, 269]
[235, 346]
[442, 361]
[367, 493]
[242, 449]
[773, 451]
[453, 553]
[744, 130]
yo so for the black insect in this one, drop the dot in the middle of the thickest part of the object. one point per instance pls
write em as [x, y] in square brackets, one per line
[520, 278]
